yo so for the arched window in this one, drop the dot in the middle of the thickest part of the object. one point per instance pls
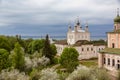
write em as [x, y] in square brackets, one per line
[113, 62]
[82, 49]
[87, 49]
[91, 49]
[104, 61]
[108, 61]
[113, 45]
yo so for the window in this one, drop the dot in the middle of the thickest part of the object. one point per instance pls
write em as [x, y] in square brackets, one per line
[118, 66]
[104, 61]
[82, 49]
[118, 60]
[91, 49]
[113, 45]
[87, 49]
[113, 62]
[108, 61]
[99, 49]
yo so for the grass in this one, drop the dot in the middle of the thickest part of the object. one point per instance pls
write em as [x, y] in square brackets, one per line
[89, 63]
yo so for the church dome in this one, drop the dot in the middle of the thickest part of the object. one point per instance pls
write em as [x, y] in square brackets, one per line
[117, 19]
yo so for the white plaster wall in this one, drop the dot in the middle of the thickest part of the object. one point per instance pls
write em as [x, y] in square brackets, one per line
[60, 48]
[85, 54]
[77, 36]
[111, 56]
[70, 38]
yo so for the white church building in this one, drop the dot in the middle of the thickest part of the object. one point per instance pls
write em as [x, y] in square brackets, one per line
[77, 34]
[76, 38]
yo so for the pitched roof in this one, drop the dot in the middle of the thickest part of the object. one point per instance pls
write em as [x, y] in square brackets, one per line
[63, 42]
[111, 51]
[115, 31]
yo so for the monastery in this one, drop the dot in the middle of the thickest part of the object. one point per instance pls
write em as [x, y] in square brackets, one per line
[109, 58]
[79, 39]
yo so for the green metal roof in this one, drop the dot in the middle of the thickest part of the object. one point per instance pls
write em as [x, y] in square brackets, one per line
[115, 31]
[111, 51]
[117, 19]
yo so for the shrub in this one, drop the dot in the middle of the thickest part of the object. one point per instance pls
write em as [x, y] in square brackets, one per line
[45, 74]
[13, 75]
[100, 74]
[49, 74]
[81, 73]
[35, 62]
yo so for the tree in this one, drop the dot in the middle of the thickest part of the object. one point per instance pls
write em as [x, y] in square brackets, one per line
[4, 62]
[17, 57]
[4, 43]
[27, 42]
[47, 51]
[69, 59]
[35, 45]
[53, 48]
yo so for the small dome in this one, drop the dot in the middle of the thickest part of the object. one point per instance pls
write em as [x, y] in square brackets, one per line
[117, 19]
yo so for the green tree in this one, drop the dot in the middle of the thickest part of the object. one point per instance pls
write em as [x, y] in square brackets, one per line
[69, 59]
[4, 43]
[27, 42]
[53, 48]
[17, 57]
[35, 45]
[12, 40]
[47, 51]
[4, 62]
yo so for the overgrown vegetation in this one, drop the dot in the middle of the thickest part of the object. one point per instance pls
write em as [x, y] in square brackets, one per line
[36, 60]
[89, 63]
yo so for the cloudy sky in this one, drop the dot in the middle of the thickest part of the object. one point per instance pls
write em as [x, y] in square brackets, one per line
[40, 17]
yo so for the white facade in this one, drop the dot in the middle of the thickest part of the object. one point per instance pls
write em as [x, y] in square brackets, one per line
[110, 62]
[109, 58]
[85, 51]
[77, 34]
[88, 51]
[60, 48]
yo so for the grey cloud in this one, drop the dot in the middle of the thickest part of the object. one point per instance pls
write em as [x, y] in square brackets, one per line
[56, 12]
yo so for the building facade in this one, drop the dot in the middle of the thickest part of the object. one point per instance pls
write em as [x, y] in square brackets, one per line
[86, 51]
[77, 34]
[109, 58]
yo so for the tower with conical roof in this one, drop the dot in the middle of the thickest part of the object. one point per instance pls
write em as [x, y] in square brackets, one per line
[114, 36]
[109, 58]
[117, 21]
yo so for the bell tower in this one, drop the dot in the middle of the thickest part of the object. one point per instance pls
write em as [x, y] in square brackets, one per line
[117, 21]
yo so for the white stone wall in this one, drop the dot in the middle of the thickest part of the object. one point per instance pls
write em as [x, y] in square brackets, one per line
[88, 51]
[60, 48]
[111, 57]
[85, 51]
[70, 38]
[73, 37]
